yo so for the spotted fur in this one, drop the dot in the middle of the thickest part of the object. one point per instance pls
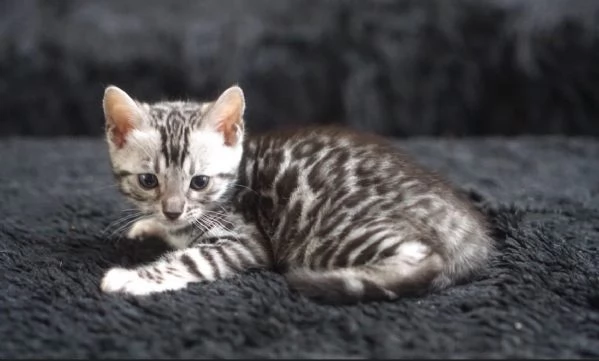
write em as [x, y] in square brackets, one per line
[346, 217]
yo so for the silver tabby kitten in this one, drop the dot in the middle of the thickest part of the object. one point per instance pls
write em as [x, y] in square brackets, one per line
[344, 216]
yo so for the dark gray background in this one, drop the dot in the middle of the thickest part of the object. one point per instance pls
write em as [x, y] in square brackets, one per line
[394, 67]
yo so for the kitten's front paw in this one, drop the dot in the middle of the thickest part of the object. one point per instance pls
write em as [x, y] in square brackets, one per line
[145, 229]
[121, 280]
[117, 279]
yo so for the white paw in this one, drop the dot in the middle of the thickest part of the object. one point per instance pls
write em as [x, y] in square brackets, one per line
[145, 229]
[116, 279]
[120, 280]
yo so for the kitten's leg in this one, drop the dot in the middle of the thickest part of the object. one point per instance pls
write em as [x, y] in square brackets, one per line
[378, 259]
[146, 228]
[150, 227]
[410, 270]
[223, 257]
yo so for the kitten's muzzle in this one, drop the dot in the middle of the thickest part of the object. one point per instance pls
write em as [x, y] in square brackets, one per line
[172, 208]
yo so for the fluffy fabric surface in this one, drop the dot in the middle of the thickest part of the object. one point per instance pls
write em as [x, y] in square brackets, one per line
[539, 298]
[397, 67]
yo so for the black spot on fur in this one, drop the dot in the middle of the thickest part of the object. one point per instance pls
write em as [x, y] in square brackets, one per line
[287, 184]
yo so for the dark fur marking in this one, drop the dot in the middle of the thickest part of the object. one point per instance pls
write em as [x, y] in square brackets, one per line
[228, 260]
[368, 253]
[206, 253]
[343, 257]
[226, 175]
[191, 265]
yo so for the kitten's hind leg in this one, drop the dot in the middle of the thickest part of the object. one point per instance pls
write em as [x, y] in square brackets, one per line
[409, 271]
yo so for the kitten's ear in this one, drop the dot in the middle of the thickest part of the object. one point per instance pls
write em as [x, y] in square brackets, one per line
[226, 115]
[121, 113]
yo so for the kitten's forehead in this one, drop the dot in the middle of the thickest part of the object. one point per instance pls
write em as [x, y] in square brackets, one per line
[176, 113]
[182, 143]
[174, 122]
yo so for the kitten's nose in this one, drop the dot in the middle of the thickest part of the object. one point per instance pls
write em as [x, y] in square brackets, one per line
[172, 207]
[172, 215]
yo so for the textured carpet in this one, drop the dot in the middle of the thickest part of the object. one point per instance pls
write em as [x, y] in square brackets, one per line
[540, 298]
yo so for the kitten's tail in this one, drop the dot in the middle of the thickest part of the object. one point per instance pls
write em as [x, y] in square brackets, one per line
[385, 281]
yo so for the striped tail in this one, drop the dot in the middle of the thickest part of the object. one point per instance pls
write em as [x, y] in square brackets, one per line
[385, 281]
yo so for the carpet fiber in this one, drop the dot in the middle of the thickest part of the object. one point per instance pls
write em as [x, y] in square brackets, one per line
[540, 298]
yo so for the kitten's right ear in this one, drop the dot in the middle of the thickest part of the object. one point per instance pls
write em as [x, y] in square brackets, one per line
[121, 113]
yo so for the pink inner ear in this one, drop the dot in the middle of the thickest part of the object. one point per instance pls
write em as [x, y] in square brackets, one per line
[120, 115]
[228, 127]
[228, 115]
[121, 124]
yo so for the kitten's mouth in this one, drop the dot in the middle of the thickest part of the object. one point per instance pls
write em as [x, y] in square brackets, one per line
[181, 221]
[185, 219]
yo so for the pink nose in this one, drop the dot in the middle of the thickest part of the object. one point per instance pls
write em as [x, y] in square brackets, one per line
[172, 215]
[172, 207]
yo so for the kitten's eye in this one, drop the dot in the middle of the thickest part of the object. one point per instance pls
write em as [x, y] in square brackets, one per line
[147, 180]
[199, 182]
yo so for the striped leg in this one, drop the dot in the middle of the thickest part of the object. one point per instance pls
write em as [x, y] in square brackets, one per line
[380, 259]
[221, 258]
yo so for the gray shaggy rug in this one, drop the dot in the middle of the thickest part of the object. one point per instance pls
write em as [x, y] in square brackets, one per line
[540, 297]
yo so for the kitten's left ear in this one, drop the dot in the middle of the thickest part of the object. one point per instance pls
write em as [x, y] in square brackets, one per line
[226, 115]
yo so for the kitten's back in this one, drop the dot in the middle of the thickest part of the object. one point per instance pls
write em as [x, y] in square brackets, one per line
[351, 216]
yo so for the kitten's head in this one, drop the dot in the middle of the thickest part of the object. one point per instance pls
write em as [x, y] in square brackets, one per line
[175, 160]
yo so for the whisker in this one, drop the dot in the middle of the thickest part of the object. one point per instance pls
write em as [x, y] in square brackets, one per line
[206, 220]
[202, 225]
[121, 224]
[118, 231]
[242, 186]
[119, 221]
[223, 208]
[216, 223]
[219, 216]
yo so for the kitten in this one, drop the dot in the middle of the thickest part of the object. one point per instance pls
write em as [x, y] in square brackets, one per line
[346, 217]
